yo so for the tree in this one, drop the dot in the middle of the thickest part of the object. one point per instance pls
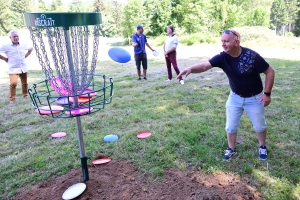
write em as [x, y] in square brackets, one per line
[292, 10]
[258, 17]
[193, 15]
[159, 13]
[41, 6]
[100, 6]
[6, 17]
[279, 15]
[116, 10]
[133, 14]
[18, 7]
[57, 6]
[296, 31]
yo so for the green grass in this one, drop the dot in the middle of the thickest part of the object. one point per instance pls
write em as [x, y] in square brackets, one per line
[187, 124]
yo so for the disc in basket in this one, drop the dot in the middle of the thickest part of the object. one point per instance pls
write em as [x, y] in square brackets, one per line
[80, 110]
[88, 92]
[63, 101]
[74, 191]
[46, 110]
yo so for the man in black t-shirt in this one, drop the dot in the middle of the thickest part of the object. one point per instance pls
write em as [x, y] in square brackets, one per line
[243, 67]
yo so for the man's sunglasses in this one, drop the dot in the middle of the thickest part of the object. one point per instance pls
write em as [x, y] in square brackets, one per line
[229, 31]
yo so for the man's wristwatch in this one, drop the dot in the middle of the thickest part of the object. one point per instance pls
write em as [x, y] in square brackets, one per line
[267, 93]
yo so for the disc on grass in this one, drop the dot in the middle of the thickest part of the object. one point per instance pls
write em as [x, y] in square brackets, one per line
[58, 135]
[45, 110]
[63, 101]
[101, 161]
[86, 93]
[80, 110]
[119, 55]
[111, 138]
[155, 53]
[74, 191]
[143, 135]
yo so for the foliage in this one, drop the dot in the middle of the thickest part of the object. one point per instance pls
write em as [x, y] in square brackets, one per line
[6, 18]
[279, 15]
[18, 7]
[159, 15]
[133, 14]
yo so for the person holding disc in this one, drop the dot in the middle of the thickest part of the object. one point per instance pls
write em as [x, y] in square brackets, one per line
[243, 67]
[170, 46]
[139, 40]
[16, 53]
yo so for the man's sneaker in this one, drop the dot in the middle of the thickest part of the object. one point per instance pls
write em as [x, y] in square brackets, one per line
[169, 80]
[228, 154]
[181, 82]
[139, 79]
[145, 78]
[263, 154]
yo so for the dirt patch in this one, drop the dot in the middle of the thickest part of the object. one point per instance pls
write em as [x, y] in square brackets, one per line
[120, 180]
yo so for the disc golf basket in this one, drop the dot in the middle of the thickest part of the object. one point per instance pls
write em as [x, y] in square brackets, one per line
[71, 88]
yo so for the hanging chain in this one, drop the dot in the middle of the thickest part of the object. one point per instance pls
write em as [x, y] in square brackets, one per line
[58, 42]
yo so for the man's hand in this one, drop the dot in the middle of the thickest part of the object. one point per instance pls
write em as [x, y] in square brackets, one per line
[135, 44]
[6, 59]
[185, 72]
[266, 99]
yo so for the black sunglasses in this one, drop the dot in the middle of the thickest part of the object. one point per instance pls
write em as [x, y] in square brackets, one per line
[229, 31]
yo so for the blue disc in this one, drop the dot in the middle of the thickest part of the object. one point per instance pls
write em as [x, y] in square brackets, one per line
[119, 55]
[111, 138]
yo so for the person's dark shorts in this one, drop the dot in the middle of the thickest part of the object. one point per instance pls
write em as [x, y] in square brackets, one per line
[141, 58]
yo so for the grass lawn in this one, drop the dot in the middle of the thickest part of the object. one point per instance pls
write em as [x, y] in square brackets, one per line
[187, 124]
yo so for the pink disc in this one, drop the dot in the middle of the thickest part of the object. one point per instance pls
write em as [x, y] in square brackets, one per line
[80, 110]
[143, 135]
[59, 135]
[45, 110]
[58, 85]
[86, 95]
[101, 161]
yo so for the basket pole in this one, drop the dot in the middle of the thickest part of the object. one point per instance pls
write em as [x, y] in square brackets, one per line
[83, 156]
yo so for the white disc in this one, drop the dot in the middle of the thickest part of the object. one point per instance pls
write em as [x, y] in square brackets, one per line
[74, 191]
[155, 53]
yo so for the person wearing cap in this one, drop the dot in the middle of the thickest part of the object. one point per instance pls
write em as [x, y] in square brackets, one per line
[16, 53]
[169, 47]
[139, 41]
[243, 67]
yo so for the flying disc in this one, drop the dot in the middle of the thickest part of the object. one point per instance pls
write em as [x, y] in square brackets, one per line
[143, 135]
[81, 99]
[63, 101]
[119, 55]
[80, 110]
[59, 135]
[111, 138]
[155, 53]
[45, 110]
[101, 161]
[88, 92]
[58, 85]
[74, 191]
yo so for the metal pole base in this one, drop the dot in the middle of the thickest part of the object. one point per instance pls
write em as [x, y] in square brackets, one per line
[85, 170]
